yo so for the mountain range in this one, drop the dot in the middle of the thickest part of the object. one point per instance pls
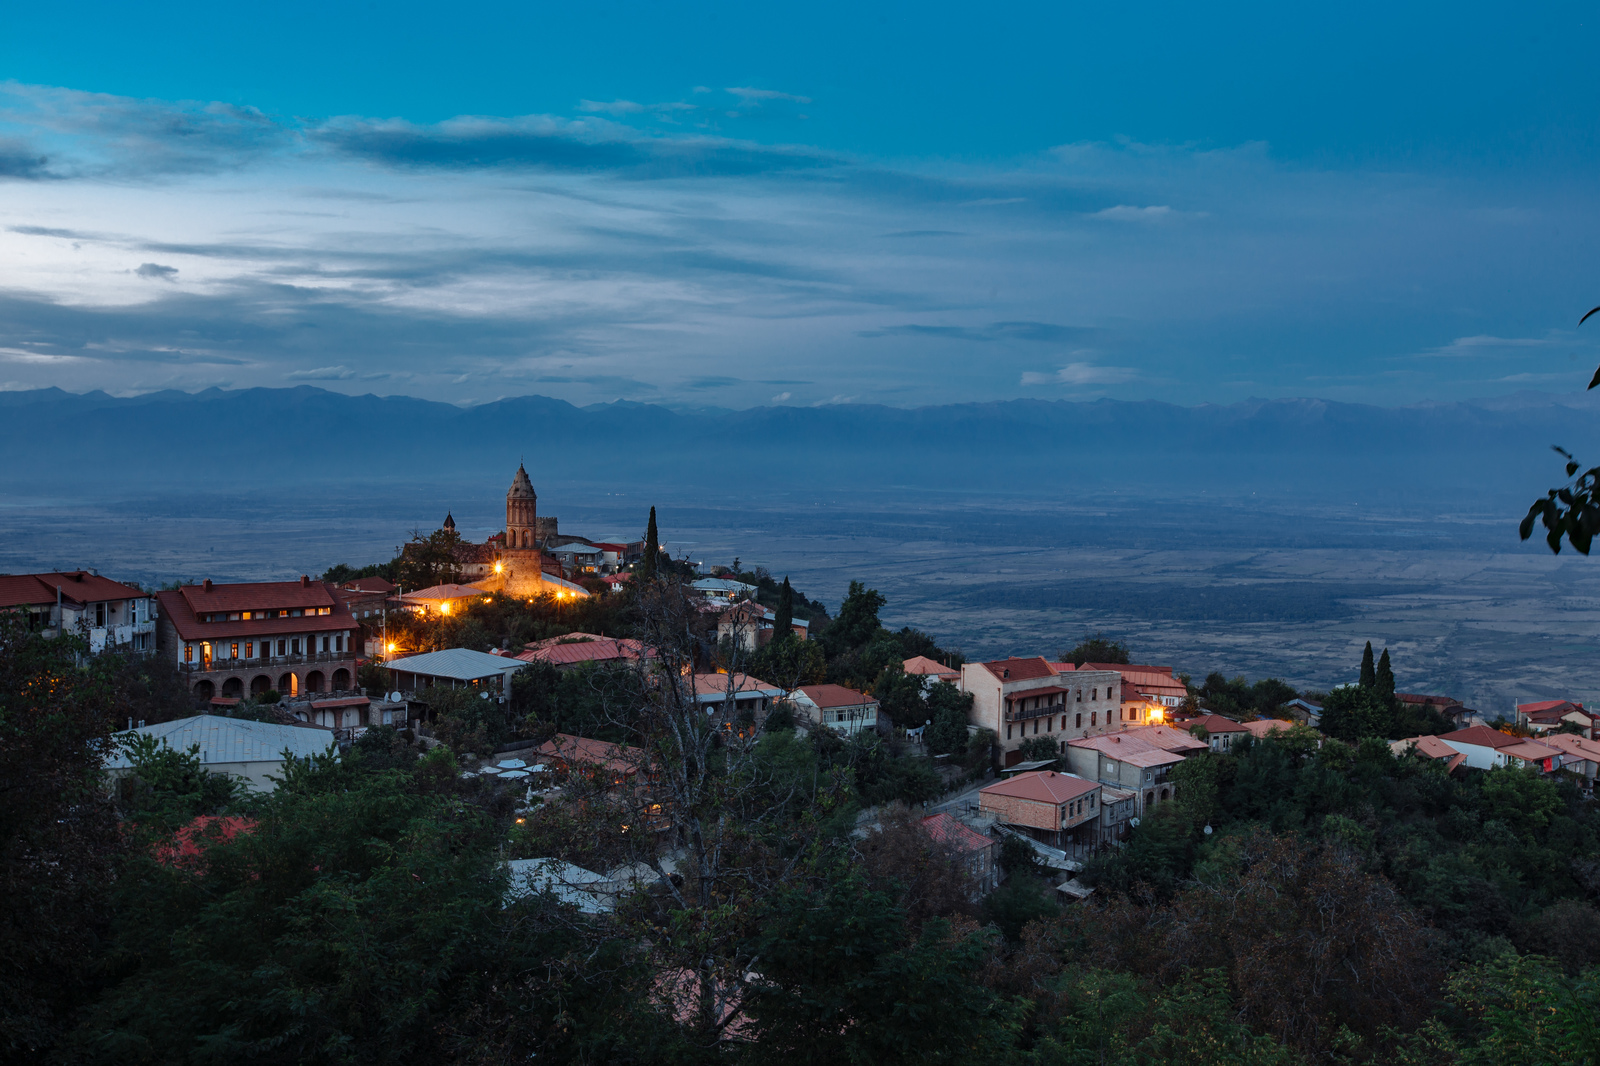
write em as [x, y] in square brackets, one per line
[1308, 449]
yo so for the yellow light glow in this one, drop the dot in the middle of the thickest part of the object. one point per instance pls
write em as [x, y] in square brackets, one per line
[444, 608]
[391, 645]
[497, 568]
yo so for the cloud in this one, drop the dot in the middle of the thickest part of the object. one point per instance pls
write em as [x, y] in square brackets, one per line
[993, 201]
[761, 96]
[924, 233]
[629, 107]
[322, 373]
[1484, 345]
[1127, 213]
[1043, 332]
[782, 396]
[1082, 374]
[18, 159]
[711, 382]
[156, 271]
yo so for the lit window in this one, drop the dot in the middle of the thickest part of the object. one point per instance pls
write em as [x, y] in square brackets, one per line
[188, 653]
[249, 649]
[233, 651]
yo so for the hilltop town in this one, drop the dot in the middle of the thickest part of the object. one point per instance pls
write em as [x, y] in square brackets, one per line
[619, 748]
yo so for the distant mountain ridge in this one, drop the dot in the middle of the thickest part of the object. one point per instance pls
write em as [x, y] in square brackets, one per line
[306, 435]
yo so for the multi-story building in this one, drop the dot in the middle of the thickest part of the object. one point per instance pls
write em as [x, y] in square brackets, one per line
[109, 613]
[1137, 760]
[233, 640]
[1021, 699]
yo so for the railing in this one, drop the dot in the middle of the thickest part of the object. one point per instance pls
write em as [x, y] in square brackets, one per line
[216, 665]
[1037, 712]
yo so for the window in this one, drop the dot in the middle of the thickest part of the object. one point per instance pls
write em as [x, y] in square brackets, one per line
[282, 647]
[338, 642]
[100, 614]
[1008, 730]
[1036, 727]
[249, 649]
[233, 650]
[1080, 695]
[1080, 721]
[188, 653]
[1094, 718]
[294, 645]
[1094, 694]
[1091, 799]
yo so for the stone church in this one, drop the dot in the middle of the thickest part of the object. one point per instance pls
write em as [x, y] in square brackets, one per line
[513, 561]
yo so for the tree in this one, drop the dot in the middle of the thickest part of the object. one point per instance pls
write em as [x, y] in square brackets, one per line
[948, 711]
[1368, 673]
[649, 566]
[1351, 712]
[857, 622]
[899, 697]
[58, 835]
[1097, 648]
[1037, 749]
[783, 623]
[429, 560]
[1383, 679]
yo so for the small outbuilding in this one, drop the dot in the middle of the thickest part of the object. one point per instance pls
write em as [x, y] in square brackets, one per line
[254, 752]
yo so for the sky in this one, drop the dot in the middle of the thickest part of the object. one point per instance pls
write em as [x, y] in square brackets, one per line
[718, 206]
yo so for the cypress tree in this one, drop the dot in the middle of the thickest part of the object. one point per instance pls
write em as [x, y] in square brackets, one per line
[785, 612]
[652, 551]
[1383, 680]
[1368, 676]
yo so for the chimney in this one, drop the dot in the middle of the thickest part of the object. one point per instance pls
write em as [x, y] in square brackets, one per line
[305, 581]
[208, 584]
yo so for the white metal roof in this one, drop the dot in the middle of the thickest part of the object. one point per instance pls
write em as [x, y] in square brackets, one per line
[722, 584]
[582, 888]
[234, 740]
[458, 664]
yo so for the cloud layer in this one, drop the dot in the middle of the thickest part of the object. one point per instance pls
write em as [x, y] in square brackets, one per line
[633, 250]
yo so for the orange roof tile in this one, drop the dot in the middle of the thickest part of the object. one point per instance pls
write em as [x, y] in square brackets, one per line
[835, 696]
[947, 830]
[1041, 786]
[1020, 669]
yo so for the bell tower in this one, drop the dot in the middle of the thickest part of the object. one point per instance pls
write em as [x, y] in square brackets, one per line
[522, 514]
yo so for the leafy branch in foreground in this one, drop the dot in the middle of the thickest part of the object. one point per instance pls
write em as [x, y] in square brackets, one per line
[1572, 511]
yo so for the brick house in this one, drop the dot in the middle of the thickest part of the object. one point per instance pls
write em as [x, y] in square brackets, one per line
[1136, 760]
[1058, 809]
[980, 854]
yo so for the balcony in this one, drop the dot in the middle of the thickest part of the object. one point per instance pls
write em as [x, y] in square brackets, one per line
[216, 666]
[1037, 712]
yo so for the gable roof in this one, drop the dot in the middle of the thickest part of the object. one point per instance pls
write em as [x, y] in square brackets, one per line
[584, 651]
[712, 687]
[825, 696]
[1020, 669]
[1141, 740]
[1148, 680]
[921, 664]
[448, 591]
[177, 609]
[1041, 786]
[458, 664]
[947, 830]
[1261, 728]
[1421, 700]
[1482, 736]
[77, 587]
[1571, 745]
[233, 740]
[369, 584]
[585, 751]
[1530, 751]
[1548, 705]
[1215, 723]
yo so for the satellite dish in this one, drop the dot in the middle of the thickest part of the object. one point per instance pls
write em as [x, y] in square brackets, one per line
[1207, 830]
[483, 695]
[394, 697]
[1134, 822]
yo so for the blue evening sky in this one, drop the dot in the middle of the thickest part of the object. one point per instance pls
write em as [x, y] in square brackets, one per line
[743, 204]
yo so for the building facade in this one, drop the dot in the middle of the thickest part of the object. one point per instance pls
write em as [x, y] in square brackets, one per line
[1023, 699]
[108, 613]
[237, 640]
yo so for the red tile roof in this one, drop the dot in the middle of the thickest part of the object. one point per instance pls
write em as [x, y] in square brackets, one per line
[1530, 751]
[583, 651]
[1427, 701]
[584, 751]
[369, 584]
[743, 684]
[273, 595]
[77, 587]
[825, 696]
[1041, 786]
[947, 830]
[1215, 723]
[1482, 736]
[345, 701]
[921, 664]
[1149, 680]
[447, 591]
[1020, 669]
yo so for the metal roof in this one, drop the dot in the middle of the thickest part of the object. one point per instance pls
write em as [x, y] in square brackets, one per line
[234, 740]
[458, 664]
[582, 888]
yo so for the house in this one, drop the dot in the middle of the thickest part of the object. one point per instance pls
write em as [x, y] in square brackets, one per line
[1265, 727]
[609, 763]
[723, 590]
[1118, 808]
[1429, 747]
[980, 854]
[752, 626]
[254, 752]
[1448, 706]
[1549, 715]
[285, 636]
[366, 597]
[109, 613]
[446, 599]
[1137, 760]
[1149, 693]
[1481, 745]
[843, 710]
[1578, 755]
[1025, 698]
[1304, 710]
[567, 653]
[454, 668]
[735, 696]
[1532, 755]
[577, 556]
[930, 671]
[1220, 732]
[1056, 808]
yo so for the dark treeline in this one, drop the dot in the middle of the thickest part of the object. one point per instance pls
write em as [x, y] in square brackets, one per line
[1304, 900]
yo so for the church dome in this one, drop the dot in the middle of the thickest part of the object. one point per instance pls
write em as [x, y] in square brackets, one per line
[521, 487]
